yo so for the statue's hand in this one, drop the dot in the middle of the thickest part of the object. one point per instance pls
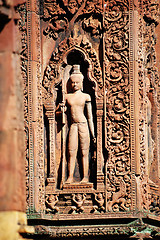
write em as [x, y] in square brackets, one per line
[63, 107]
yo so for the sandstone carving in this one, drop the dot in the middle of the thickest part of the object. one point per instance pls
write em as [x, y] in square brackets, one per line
[78, 129]
[51, 201]
[78, 200]
[99, 199]
[91, 110]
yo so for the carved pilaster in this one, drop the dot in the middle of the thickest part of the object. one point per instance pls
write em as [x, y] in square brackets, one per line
[100, 158]
[50, 113]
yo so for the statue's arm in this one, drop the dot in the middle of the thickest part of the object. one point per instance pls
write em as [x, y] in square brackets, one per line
[61, 109]
[90, 116]
[47, 201]
[56, 200]
[84, 197]
[74, 198]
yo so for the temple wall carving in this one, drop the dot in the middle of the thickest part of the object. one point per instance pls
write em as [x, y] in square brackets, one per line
[113, 44]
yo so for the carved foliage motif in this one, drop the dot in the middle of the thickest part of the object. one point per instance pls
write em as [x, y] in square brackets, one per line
[117, 106]
[142, 112]
[62, 15]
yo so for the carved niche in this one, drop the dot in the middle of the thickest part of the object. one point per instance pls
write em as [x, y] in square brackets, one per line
[57, 77]
[55, 87]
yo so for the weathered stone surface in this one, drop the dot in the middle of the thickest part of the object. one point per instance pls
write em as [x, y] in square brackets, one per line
[114, 44]
[12, 162]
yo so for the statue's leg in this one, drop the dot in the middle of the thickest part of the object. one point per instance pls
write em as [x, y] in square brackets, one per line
[72, 150]
[84, 147]
[85, 153]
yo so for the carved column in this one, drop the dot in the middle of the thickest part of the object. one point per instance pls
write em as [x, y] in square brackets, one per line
[100, 159]
[35, 109]
[50, 112]
[136, 90]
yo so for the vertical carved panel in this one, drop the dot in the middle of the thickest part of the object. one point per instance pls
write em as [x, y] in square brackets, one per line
[148, 78]
[118, 112]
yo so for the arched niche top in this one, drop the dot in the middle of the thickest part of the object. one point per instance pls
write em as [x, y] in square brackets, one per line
[62, 57]
[76, 56]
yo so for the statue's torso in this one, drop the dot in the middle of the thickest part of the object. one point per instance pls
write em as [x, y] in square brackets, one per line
[76, 102]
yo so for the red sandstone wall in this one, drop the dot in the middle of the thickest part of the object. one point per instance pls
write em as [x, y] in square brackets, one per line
[12, 162]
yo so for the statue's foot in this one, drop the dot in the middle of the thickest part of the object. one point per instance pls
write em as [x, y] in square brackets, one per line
[69, 180]
[84, 180]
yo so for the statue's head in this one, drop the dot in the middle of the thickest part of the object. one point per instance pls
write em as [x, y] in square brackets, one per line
[76, 78]
[99, 196]
[78, 197]
[51, 198]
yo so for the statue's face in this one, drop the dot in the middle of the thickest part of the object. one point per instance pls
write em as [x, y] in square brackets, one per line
[99, 196]
[76, 83]
[51, 198]
[78, 197]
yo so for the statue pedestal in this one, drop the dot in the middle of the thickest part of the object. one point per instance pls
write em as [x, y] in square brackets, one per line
[78, 185]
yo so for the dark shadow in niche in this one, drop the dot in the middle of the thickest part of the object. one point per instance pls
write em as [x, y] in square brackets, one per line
[4, 21]
[46, 146]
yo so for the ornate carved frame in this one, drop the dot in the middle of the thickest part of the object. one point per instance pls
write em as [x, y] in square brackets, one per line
[120, 79]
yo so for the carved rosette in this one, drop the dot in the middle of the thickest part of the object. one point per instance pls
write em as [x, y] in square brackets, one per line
[118, 166]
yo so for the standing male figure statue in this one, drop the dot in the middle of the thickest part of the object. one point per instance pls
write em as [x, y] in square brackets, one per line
[79, 131]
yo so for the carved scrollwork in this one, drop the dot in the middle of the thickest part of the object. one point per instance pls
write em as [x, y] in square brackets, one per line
[62, 15]
[116, 17]
[117, 194]
[114, 7]
[118, 105]
[118, 137]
